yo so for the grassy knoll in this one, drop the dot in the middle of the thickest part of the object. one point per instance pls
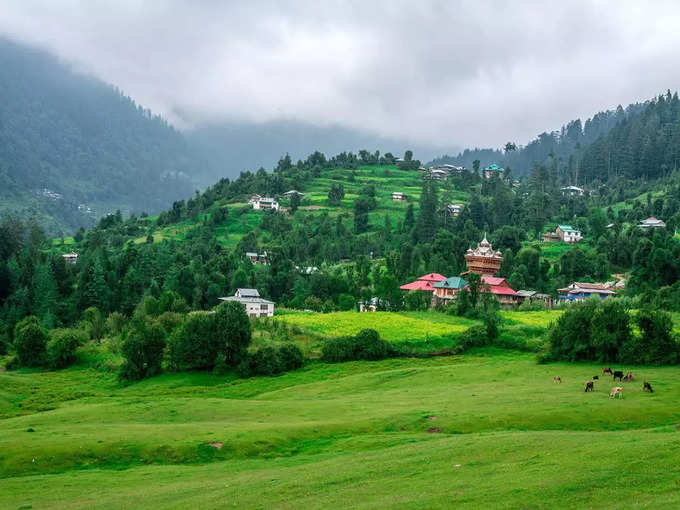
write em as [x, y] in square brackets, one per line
[488, 429]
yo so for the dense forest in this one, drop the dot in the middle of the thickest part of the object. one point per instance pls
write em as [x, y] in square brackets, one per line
[566, 148]
[73, 149]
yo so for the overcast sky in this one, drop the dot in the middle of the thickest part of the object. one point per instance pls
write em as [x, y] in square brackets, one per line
[441, 73]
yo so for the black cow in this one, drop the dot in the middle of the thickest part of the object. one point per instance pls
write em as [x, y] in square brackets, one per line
[647, 387]
[596, 377]
[590, 386]
[619, 374]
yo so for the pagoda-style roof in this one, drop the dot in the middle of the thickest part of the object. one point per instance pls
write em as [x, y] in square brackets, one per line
[484, 259]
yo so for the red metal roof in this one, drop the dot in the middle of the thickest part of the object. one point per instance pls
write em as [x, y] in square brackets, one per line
[497, 285]
[425, 282]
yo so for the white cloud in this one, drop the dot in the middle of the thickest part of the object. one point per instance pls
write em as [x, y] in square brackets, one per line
[438, 73]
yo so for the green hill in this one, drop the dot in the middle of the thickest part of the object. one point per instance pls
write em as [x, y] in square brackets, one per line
[73, 149]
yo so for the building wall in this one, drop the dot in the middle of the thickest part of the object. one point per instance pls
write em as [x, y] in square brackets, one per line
[258, 309]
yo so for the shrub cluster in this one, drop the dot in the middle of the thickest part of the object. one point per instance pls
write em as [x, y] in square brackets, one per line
[61, 348]
[366, 345]
[601, 331]
[271, 360]
[34, 346]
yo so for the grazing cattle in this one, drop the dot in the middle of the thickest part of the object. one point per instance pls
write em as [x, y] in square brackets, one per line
[606, 370]
[616, 391]
[557, 379]
[589, 386]
[619, 374]
[629, 377]
[595, 377]
[647, 387]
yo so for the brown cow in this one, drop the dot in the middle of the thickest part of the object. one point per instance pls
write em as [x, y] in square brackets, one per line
[647, 387]
[557, 379]
[629, 377]
[589, 386]
[616, 391]
[606, 370]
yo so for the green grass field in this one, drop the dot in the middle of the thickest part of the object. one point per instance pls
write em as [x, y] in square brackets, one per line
[486, 430]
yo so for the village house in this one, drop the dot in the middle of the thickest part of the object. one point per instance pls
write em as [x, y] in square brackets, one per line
[492, 170]
[399, 196]
[572, 191]
[368, 306]
[579, 291]
[257, 258]
[437, 175]
[449, 289]
[289, 194]
[70, 258]
[254, 305]
[532, 296]
[264, 203]
[500, 288]
[651, 223]
[455, 209]
[564, 233]
[424, 283]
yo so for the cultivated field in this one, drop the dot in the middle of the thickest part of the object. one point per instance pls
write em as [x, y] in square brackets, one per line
[488, 429]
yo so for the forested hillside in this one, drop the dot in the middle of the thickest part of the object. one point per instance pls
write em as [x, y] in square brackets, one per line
[563, 149]
[73, 148]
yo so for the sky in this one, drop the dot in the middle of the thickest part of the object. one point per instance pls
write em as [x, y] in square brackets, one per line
[440, 73]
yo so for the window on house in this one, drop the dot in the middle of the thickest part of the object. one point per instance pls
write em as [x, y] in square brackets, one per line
[264, 307]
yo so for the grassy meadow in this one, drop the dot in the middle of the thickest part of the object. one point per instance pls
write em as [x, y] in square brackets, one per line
[487, 429]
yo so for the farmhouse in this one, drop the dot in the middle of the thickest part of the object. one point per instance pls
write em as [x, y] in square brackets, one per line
[492, 170]
[449, 289]
[438, 175]
[265, 203]
[71, 258]
[532, 296]
[651, 223]
[500, 289]
[455, 209]
[483, 260]
[564, 233]
[572, 191]
[289, 194]
[579, 291]
[424, 283]
[399, 196]
[254, 305]
[257, 258]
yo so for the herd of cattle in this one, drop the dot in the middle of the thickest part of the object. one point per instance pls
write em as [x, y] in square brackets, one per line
[616, 391]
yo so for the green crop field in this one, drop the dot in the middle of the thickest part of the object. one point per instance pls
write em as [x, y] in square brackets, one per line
[394, 327]
[486, 430]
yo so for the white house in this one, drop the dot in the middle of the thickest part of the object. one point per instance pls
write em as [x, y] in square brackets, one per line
[265, 203]
[255, 305]
[572, 190]
[455, 209]
[71, 258]
[568, 234]
[289, 194]
[399, 196]
[651, 223]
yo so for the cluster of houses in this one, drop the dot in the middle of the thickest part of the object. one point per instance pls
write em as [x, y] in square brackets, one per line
[269, 203]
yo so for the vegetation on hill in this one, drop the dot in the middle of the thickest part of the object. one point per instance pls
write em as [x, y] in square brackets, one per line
[73, 149]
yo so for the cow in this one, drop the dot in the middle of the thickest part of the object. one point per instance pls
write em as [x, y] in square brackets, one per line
[618, 390]
[606, 370]
[647, 387]
[596, 378]
[619, 374]
[629, 377]
[589, 386]
[557, 379]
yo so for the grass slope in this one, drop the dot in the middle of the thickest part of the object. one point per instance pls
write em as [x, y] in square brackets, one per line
[488, 429]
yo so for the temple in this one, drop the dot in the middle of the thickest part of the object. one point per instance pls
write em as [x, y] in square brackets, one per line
[483, 260]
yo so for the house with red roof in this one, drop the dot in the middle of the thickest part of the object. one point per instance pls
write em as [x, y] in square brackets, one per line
[424, 283]
[499, 287]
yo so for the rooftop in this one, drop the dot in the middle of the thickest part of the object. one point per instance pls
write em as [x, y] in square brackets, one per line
[453, 282]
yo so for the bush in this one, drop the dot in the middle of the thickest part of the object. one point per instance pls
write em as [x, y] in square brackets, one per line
[142, 350]
[115, 323]
[170, 321]
[474, 336]
[271, 360]
[62, 346]
[366, 345]
[93, 323]
[30, 342]
[656, 345]
[194, 345]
